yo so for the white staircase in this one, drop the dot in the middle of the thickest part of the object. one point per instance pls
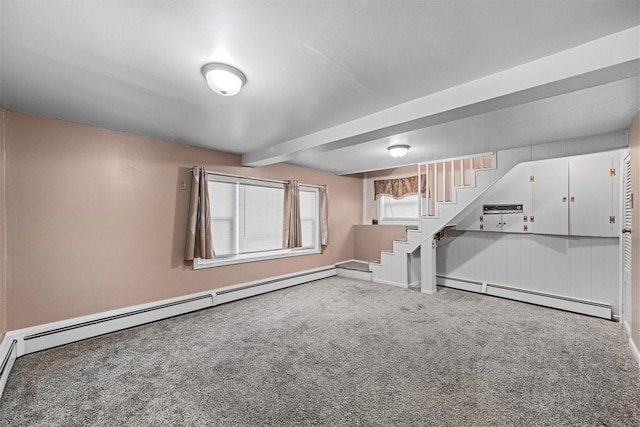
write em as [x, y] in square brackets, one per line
[452, 185]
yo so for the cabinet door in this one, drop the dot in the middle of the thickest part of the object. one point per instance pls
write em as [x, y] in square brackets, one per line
[514, 223]
[493, 222]
[590, 196]
[549, 197]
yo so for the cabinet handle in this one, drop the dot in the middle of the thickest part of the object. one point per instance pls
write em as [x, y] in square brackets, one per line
[564, 199]
[626, 230]
[573, 199]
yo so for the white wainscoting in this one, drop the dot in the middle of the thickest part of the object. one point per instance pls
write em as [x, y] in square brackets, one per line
[582, 268]
[24, 341]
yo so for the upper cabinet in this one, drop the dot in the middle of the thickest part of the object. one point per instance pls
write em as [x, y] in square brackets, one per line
[549, 188]
[575, 196]
[594, 188]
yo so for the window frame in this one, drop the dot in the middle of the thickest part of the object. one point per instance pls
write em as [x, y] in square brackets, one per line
[241, 258]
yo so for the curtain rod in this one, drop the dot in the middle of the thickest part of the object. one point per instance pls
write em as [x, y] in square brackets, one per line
[231, 175]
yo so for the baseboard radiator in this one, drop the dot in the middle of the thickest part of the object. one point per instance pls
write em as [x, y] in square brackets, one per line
[9, 355]
[110, 323]
[576, 305]
[24, 341]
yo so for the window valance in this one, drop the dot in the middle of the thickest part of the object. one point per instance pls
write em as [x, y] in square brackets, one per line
[398, 188]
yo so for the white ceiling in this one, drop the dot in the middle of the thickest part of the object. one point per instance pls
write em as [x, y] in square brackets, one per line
[316, 69]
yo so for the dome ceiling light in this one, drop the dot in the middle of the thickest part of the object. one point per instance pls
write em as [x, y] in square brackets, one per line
[223, 79]
[398, 150]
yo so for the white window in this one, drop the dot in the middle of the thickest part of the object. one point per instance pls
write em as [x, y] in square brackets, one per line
[405, 210]
[247, 220]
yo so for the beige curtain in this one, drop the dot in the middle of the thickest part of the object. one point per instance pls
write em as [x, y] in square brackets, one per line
[199, 239]
[292, 226]
[398, 188]
[324, 216]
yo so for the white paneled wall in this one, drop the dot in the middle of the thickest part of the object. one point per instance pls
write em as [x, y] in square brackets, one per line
[579, 267]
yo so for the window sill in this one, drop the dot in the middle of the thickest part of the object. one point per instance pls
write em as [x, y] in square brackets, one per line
[199, 263]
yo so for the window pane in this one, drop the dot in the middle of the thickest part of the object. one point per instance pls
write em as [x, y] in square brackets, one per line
[309, 214]
[405, 208]
[247, 216]
[261, 218]
[222, 200]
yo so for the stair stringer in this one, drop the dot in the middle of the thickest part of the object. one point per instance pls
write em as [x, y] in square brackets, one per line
[394, 265]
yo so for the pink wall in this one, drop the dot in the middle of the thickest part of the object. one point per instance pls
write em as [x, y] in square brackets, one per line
[96, 220]
[369, 240]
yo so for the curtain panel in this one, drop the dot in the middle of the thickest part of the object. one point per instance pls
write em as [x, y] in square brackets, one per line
[292, 224]
[397, 188]
[199, 238]
[324, 215]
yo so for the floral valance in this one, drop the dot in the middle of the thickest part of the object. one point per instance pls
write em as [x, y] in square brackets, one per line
[398, 188]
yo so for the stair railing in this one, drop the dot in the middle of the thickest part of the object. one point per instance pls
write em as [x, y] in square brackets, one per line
[443, 176]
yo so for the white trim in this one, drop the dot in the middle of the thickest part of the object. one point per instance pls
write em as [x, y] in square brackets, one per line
[576, 305]
[632, 344]
[634, 350]
[199, 263]
[257, 287]
[626, 327]
[389, 282]
[354, 274]
[365, 198]
[42, 337]
[8, 355]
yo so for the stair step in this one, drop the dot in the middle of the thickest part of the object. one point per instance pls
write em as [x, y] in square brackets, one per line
[355, 266]
[447, 199]
[354, 270]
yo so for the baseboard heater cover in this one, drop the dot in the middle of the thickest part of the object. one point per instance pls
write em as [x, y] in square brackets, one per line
[576, 305]
[7, 362]
[29, 340]
[59, 333]
[110, 323]
[249, 289]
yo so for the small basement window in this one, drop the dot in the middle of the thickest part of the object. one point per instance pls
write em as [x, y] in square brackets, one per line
[404, 211]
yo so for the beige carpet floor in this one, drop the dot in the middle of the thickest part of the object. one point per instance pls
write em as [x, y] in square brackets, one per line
[339, 352]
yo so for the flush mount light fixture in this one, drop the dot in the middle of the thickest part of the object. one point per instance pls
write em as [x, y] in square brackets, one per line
[223, 79]
[398, 150]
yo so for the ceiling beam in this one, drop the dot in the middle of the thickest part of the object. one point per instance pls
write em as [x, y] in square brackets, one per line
[601, 61]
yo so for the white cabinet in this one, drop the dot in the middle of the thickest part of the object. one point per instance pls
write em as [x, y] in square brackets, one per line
[593, 197]
[576, 196]
[549, 186]
[508, 223]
